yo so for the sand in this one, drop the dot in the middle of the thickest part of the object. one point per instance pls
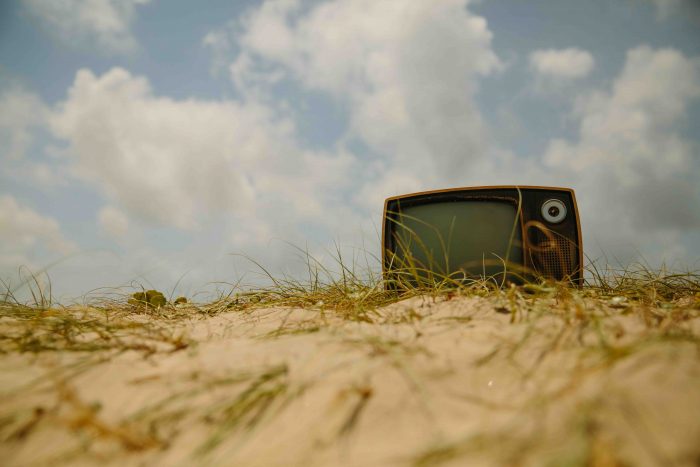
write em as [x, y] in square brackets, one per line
[462, 381]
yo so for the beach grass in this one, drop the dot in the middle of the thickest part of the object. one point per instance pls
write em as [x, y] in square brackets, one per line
[553, 340]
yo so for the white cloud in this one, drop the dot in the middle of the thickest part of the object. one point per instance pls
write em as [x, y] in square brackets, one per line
[23, 232]
[636, 173]
[20, 113]
[113, 221]
[184, 162]
[162, 159]
[104, 22]
[406, 71]
[568, 63]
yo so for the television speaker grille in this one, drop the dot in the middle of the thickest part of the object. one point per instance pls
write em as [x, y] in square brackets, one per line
[555, 257]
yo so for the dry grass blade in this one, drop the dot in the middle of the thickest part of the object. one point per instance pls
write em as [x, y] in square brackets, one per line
[84, 417]
[247, 409]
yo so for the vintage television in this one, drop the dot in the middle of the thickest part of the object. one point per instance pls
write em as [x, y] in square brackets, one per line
[502, 233]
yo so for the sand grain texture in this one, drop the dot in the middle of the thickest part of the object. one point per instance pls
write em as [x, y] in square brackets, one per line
[429, 381]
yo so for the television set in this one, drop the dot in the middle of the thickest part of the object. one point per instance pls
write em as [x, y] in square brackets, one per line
[500, 233]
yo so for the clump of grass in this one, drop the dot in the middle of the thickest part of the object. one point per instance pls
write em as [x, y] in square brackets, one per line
[641, 283]
[30, 330]
[352, 293]
[107, 324]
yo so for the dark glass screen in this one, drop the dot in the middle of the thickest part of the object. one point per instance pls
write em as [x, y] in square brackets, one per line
[470, 237]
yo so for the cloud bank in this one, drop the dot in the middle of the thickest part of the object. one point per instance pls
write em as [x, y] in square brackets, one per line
[406, 77]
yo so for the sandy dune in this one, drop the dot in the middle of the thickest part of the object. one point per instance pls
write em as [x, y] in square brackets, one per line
[465, 381]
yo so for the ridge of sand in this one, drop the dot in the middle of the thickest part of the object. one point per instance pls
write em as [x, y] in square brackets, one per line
[429, 382]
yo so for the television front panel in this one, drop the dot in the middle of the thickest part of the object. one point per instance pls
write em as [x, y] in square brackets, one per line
[461, 233]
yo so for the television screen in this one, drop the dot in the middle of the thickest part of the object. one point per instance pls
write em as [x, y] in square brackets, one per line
[450, 238]
[512, 233]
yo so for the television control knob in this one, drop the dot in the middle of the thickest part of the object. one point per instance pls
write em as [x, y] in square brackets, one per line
[553, 211]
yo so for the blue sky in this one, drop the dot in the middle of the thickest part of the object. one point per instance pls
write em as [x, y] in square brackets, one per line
[148, 141]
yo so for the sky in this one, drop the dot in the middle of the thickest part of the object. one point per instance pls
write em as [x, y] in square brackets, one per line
[175, 144]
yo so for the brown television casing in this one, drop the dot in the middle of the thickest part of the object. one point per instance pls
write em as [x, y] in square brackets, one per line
[554, 251]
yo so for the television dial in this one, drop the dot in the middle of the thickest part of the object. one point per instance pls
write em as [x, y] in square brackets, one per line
[553, 211]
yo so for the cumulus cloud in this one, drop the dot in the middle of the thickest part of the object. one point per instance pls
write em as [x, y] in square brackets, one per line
[406, 72]
[183, 162]
[20, 113]
[567, 64]
[637, 171]
[162, 159]
[24, 233]
[104, 22]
